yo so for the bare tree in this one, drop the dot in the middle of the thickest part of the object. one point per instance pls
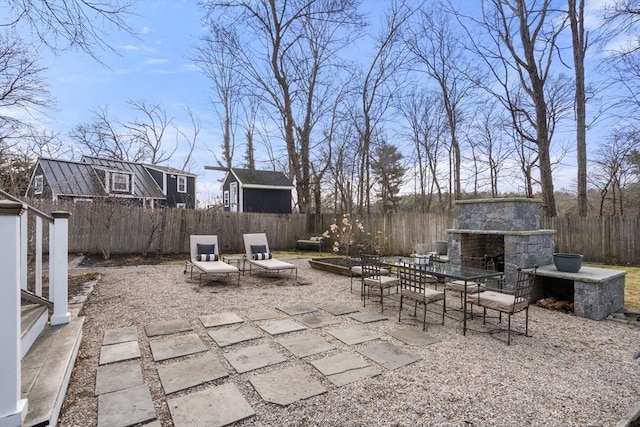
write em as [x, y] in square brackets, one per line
[521, 42]
[215, 57]
[83, 24]
[580, 43]
[289, 65]
[380, 81]
[149, 132]
[425, 125]
[440, 54]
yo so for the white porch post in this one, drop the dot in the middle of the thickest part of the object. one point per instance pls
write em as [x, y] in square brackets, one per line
[13, 408]
[24, 249]
[38, 255]
[58, 259]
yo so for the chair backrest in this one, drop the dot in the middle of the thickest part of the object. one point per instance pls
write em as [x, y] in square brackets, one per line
[254, 239]
[525, 281]
[370, 265]
[413, 277]
[206, 239]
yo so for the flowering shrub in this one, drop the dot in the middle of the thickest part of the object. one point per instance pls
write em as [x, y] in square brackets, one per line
[344, 234]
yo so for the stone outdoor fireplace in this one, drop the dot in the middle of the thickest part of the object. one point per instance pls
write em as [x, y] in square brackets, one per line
[507, 231]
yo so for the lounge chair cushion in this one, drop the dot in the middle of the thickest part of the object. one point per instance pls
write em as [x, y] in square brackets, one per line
[214, 267]
[262, 256]
[207, 257]
[272, 264]
[206, 249]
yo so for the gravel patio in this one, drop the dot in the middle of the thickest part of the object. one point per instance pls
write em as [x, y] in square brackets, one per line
[570, 372]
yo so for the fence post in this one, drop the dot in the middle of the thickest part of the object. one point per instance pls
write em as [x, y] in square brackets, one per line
[58, 260]
[38, 255]
[13, 409]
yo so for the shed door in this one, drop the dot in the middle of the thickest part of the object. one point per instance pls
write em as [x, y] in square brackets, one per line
[233, 197]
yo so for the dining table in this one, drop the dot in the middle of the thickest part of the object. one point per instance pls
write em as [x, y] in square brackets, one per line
[443, 271]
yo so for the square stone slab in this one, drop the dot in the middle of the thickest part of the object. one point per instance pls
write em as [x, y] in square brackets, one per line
[296, 309]
[220, 319]
[125, 407]
[286, 386]
[318, 320]
[264, 315]
[338, 309]
[116, 336]
[191, 372]
[212, 407]
[255, 357]
[277, 327]
[118, 376]
[119, 352]
[166, 327]
[368, 317]
[233, 335]
[352, 336]
[345, 368]
[305, 345]
[176, 347]
[412, 337]
[388, 355]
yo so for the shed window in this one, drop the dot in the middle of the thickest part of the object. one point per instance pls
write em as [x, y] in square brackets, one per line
[226, 198]
[38, 184]
[181, 205]
[182, 184]
[120, 182]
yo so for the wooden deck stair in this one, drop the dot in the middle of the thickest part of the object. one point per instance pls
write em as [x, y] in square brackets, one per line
[47, 363]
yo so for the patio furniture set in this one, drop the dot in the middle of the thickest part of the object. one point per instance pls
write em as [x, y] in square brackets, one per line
[417, 282]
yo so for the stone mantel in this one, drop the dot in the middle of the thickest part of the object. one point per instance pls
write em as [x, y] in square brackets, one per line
[503, 232]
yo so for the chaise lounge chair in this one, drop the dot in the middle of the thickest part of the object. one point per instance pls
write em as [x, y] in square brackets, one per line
[205, 258]
[258, 254]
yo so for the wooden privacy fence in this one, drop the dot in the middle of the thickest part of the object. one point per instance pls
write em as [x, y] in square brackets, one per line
[113, 229]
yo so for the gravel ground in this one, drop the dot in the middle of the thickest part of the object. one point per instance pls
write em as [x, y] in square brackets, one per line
[570, 372]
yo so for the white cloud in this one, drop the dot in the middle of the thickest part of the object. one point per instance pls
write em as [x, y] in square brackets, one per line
[155, 61]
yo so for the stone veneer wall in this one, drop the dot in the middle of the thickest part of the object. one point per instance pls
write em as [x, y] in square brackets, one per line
[597, 300]
[516, 219]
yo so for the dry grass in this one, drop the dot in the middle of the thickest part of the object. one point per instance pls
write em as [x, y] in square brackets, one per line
[631, 286]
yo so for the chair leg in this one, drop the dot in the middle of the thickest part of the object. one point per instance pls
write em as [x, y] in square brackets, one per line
[415, 309]
[509, 330]
[400, 311]
[424, 317]
[526, 322]
[444, 306]
[484, 315]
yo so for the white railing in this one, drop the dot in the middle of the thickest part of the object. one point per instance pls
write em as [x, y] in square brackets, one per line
[14, 268]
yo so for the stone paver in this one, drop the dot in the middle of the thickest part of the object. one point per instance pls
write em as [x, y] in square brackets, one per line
[318, 320]
[176, 346]
[305, 345]
[191, 372]
[233, 335]
[353, 335]
[338, 309]
[388, 355]
[345, 368]
[295, 309]
[368, 317]
[255, 357]
[125, 407]
[215, 406]
[220, 319]
[264, 315]
[116, 336]
[277, 327]
[415, 337]
[118, 376]
[119, 352]
[286, 386]
[166, 327]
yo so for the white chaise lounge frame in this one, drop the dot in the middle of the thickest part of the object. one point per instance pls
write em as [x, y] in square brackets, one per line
[267, 264]
[207, 267]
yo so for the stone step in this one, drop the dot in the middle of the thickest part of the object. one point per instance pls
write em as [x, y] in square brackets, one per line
[32, 322]
[46, 371]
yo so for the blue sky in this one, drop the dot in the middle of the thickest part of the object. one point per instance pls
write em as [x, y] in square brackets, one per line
[155, 67]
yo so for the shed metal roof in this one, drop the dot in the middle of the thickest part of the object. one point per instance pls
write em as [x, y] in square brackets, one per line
[250, 177]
